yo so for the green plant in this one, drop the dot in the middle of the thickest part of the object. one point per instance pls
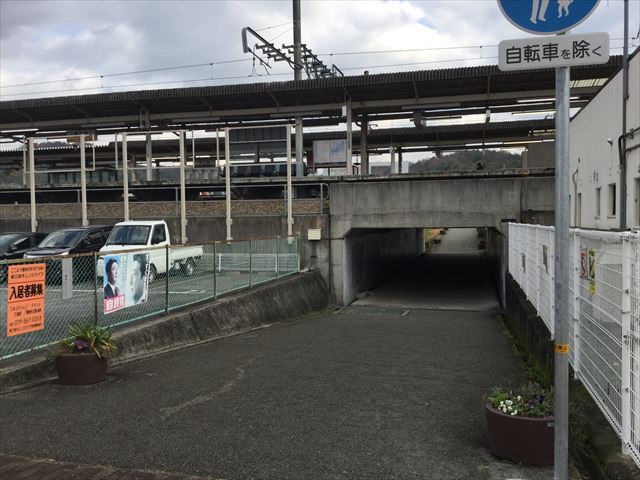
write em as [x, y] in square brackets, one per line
[87, 338]
[530, 400]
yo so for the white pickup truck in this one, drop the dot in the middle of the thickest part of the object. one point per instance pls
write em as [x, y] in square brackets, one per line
[155, 236]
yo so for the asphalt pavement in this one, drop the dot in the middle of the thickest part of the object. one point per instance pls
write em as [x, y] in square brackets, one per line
[370, 391]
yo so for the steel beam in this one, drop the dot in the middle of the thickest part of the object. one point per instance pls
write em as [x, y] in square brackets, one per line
[32, 186]
[183, 200]
[349, 138]
[227, 181]
[149, 157]
[83, 182]
[289, 191]
[125, 177]
[403, 103]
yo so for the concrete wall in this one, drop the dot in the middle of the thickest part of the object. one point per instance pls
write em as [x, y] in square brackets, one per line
[470, 202]
[593, 152]
[498, 257]
[539, 155]
[137, 209]
[364, 258]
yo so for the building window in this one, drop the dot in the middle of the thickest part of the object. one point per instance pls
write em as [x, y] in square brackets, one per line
[598, 190]
[612, 200]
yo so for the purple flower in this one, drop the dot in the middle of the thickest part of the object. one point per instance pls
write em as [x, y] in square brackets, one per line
[541, 398]
[80, 345]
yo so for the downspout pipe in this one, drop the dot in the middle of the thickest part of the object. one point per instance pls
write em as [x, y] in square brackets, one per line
[623, 151]
[622, 139]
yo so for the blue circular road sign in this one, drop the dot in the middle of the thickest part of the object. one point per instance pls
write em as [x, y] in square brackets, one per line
[546, 17]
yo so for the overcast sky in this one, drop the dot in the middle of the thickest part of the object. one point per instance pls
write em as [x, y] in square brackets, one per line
[52, 40]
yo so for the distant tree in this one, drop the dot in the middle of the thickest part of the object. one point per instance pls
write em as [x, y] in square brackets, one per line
[466, 160]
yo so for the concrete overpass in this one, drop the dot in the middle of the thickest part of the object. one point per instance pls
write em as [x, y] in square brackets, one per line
[371, 225]
[377, 226]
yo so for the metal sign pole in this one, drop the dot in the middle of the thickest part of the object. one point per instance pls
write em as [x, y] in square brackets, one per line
[562, 251]
[560, 52]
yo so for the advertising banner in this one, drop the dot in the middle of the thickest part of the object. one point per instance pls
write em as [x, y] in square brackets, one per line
[25, 298]
[125, 280]
[592, 271]
[584, 267]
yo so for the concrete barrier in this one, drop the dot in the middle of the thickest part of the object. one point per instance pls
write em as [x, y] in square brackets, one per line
[283, 300]
[523, 321]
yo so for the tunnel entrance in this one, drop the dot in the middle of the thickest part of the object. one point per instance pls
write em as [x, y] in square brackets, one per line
[454, 271]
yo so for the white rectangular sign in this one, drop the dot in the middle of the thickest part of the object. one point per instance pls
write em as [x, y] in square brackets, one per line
[330, 152]
[67, 278]
[554, 51]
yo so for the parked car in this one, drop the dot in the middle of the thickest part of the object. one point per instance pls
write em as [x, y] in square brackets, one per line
[69, 241]
[15, 244]
[154, 235]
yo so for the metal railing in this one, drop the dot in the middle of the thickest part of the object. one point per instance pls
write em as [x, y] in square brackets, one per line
[604, 329]
[37, 312]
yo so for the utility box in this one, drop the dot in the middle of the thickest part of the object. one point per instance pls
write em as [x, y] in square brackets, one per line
[314, 234]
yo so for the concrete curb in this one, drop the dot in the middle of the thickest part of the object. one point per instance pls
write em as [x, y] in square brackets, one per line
[279, 301]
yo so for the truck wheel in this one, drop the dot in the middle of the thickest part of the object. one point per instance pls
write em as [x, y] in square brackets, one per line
[153, 273]
[189, 267]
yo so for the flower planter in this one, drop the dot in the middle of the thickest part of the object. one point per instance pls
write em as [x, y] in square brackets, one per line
[80, 368]
[520, 439]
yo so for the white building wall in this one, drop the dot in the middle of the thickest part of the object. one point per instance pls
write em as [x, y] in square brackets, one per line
[593, 151]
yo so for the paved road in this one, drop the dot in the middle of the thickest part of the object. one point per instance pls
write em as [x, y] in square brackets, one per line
[372, 392]
[456, 278]
[458, 240]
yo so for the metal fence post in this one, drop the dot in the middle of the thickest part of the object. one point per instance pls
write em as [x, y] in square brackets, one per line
[250, 262]
[539, 267]
[625, 314]
[527, 290]
[95, 288]
[277, 256]
[298, 249]
[215, 281]
[166, 279]
[576, 304]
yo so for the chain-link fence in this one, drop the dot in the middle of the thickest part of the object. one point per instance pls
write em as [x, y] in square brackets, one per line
[45, 296]
[604, 328]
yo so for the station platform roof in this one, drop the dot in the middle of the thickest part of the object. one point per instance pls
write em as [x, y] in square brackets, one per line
[442, 89]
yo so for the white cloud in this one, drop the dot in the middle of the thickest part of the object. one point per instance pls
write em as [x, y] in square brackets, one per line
[44, 40]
